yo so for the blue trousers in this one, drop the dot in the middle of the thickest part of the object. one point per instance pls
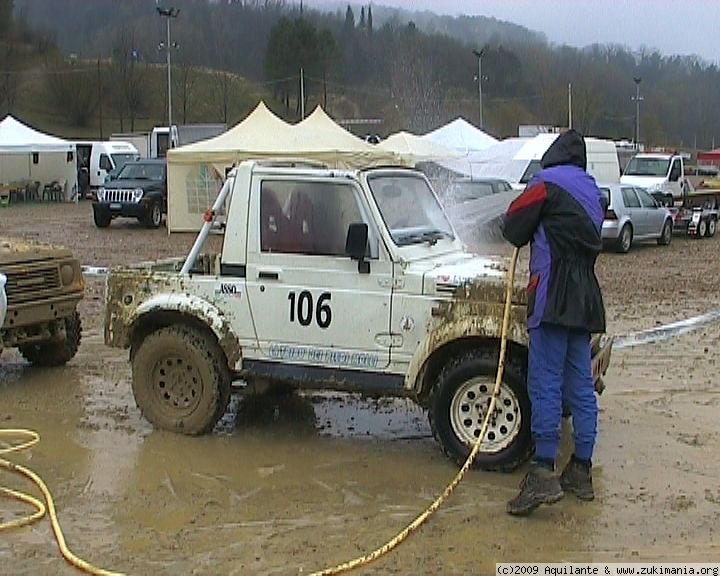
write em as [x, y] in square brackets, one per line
[560, 372]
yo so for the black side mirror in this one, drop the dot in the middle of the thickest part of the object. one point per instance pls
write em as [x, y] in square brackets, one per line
[356, 245]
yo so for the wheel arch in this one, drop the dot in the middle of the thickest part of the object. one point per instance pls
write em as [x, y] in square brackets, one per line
[433, 364]
[162, 311]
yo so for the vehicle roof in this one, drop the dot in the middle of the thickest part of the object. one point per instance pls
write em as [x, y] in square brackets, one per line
[658, 155]
[148, 161]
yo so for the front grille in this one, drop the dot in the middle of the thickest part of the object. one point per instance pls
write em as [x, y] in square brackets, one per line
[36, 284]
[125, 196]
[446, 287]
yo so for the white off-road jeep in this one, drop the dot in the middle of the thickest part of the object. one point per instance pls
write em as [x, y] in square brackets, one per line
[344, 280]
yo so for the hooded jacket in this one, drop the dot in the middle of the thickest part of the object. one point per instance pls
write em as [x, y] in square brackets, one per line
[561, 212]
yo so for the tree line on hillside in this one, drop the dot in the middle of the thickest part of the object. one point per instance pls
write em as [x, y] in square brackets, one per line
[372, 62]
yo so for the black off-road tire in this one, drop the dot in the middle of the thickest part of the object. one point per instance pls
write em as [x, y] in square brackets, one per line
[101, 219]
[666, 234]
[459, 371]
[56, 352]
[153, 216]
[181, 380]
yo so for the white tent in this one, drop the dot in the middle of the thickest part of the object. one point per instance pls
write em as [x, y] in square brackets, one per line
[461, 136]
[412, 149]
[196, 171]
[29, 155]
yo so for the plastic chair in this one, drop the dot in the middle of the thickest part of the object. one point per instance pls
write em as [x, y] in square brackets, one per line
[32, 192]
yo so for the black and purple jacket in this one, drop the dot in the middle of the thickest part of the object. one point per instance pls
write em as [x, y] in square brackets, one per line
[561, 211]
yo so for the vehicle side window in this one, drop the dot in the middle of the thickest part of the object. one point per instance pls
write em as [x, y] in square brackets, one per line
[312, 218]
[645, 198]
[675, 171]
[630, 199]
[105, 163]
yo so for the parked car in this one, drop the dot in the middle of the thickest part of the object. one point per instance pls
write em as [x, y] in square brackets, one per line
[466, 190]
[3, 299]
[634, 215]
[138, 191]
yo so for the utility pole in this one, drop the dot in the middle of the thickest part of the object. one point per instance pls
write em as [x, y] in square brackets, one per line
[569, 106]
[302, 95]
[637, 99]
[168, 14]
[100, 99]
[480, 53]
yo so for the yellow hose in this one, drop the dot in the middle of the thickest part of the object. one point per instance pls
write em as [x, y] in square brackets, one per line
[415, 524]
[32, 439]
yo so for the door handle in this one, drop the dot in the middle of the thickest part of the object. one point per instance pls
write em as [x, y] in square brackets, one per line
[267, 275]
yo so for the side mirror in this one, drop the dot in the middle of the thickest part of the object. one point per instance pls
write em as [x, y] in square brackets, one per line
[356, 244]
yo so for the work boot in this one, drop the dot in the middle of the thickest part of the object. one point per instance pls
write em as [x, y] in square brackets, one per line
[540, 486]
[577, 479]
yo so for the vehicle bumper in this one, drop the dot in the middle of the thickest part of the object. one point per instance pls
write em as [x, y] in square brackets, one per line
[610, 230]
[30, 321]
[124, 209]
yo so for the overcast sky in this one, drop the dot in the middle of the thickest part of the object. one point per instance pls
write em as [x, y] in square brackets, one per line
[671, 26]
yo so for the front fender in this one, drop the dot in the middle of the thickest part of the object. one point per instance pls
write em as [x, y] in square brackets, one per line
[485, 322]
[194, 308]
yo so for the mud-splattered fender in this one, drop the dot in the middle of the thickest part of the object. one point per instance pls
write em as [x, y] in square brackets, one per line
[196, 308]
[462, 321]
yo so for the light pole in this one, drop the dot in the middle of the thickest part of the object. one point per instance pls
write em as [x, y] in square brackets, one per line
[168, 14]
[637, 99]
[480, 53]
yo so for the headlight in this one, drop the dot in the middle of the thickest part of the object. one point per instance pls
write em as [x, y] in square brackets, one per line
[654, 188]
[101, 194]
[67, 274]
[138, 194]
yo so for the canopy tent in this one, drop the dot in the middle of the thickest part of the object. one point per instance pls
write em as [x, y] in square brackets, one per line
[412, 149]
[29, 155]
[461, 136]
[196, 172]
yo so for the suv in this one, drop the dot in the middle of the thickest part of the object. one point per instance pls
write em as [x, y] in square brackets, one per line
[138, 190]
[44, 285]
[345, 280]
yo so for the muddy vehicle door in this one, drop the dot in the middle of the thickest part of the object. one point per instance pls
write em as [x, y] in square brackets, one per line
[312, 304]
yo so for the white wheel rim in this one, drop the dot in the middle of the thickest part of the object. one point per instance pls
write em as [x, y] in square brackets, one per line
[701, 228]
[469, 406]
[711, 227]
[626, 239]
[156, 215]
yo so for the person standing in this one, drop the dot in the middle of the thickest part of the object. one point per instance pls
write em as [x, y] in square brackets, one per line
[560, 213]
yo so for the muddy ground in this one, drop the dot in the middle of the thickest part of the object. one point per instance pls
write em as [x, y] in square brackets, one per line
[290, 485]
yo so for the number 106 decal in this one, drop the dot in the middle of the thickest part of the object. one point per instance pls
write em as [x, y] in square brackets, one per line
[301, 307]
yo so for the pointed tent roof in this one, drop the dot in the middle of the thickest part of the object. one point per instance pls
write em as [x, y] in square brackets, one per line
[325, 134]
[258, 134]
[413, 149]
[461, 135]
[16, 137]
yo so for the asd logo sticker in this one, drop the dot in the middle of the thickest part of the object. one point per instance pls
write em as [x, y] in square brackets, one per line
[228, 289]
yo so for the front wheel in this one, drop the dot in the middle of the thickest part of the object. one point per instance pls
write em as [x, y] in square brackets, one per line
[702, 228]
[153, 217]
[459, 404]
[56, 352]
[711, 228]
[181, 380]
[101, 219]
[666, 234]
[625, 239]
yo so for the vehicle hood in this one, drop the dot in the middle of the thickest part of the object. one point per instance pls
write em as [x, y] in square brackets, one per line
[132, 184]
[466, 276]
[17, 251]
[643, 181]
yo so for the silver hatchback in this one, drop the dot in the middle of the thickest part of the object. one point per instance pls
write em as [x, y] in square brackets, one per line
[634, 215]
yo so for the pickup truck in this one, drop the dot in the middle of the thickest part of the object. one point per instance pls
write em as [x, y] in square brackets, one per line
[344, 280]
[38, 299]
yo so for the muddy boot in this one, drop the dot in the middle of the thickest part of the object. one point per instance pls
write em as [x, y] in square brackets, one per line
[577, 479]
[540, 486]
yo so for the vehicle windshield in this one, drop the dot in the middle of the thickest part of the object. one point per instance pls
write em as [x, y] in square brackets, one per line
[410, 209]
[141, 171]
[533, 168]
[647, 167]
[121, 159]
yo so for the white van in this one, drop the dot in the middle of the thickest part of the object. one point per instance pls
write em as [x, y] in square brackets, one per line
[516, 160]
[95, 160]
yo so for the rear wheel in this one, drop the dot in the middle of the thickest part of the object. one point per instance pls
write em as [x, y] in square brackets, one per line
[459, 404]
[711, 228]
[624, 241]
[56, 352]
[666, 234]
[181, 380]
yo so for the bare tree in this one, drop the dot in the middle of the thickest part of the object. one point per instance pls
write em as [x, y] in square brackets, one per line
[186, 78]
[10, 78]
[128, 74]
[223, 90]
[73, 89]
